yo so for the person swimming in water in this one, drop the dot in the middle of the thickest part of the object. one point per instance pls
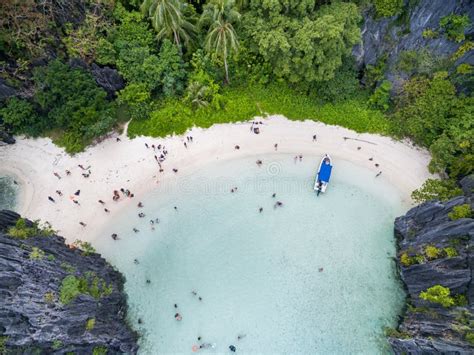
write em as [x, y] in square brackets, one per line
[178, 317]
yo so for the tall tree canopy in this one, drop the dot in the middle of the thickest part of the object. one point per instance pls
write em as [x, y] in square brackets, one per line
[300, 42]
[221, 39]
[169, 20]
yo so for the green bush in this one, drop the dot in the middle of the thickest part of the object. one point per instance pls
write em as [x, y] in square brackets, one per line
[420, 62]
[434, 189]
[344, 86]
[22, 230]
[454, 26]
[461, 211]
[20, 116]
[429, 33]
[86, 247]
[460, 300]
[69, 289]
[137, 98]
[464, 69]
[450, 252]
[432, 252]
[89, 284]
[388, 8]
[3, 346]
[245, 102]
[380, 99]
[99, 350]
[57, 344]
[90, 324]
[82, 41]
[68, 268]
[373, 74]
[463, 49]
[105, 52]
[394, 333]
[438, 294]
[470, 337]
[453, 150]
[407, 260]
[49, 297]
[36, 254]
[202, 92]
[73, 104]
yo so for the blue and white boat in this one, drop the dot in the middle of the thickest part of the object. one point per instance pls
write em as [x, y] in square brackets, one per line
[323, 175]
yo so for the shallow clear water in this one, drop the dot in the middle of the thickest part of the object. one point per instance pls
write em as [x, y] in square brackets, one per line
[258, 273]
[8, 193]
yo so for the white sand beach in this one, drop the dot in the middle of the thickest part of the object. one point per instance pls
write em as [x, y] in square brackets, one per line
[129, 164]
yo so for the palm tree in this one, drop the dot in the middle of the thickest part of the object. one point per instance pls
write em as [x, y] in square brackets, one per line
[221, 38]
[168, 20]
[219, 9]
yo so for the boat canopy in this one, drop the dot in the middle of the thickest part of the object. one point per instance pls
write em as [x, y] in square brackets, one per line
[325, 172]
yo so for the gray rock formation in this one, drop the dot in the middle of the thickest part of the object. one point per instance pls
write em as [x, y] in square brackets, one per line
[32, 317]
[390, 36]
[428, 327]
[107, 78]
[5, 90]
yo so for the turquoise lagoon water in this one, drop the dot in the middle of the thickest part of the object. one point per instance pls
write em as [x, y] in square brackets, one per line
[315, 276]
[8, 193]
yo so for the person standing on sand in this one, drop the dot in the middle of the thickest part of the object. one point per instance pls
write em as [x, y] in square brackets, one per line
[314, 138]
[57, 175]
[51, 199]
[276, 146]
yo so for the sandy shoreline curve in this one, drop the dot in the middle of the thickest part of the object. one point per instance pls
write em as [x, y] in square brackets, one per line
[129, 164]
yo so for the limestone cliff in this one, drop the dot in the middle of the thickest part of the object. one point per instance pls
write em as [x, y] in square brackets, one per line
[391, 36]
[436, 249]
[56, 300]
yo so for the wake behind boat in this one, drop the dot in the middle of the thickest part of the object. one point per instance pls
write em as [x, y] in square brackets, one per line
[323, 175]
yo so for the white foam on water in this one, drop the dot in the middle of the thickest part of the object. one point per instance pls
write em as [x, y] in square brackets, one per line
[259, 273]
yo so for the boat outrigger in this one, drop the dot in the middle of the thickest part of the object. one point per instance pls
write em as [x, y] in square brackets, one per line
[323, 175]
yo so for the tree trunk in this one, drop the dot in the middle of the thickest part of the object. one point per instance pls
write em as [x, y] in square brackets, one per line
[226, 71]
[176, 38]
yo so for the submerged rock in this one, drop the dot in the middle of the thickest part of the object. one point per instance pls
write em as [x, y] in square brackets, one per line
[41, 313]
[427, 326]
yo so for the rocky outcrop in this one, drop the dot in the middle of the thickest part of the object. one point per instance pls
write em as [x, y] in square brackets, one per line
[391, 36]
[5, 137]
[428, 327]
[34, 316]
[5, 90]
[107, 78]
